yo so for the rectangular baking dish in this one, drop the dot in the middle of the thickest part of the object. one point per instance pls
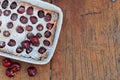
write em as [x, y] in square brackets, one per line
[48, 6]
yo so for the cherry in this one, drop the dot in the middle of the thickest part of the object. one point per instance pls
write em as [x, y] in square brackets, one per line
[6, 33]
[29, 10]
[41, 14]
[23, 19]
[6, 62]
[30, 35]
[9, 25]
[15, 66]
[0, 23]
[49, 26]
[47, 17]
[13, 5]
[19, 29]
[41, 50]
[0, 12]
[5, 4]
[46, 43]
[39, 35]
[14, 16]
[29, 28]
[32, 71]
[12, 42]
[39, 27]
[47, 34]
[26, 44]
[33, 19]
[29, 50]
[12, 67]
[10, 73]
[19, 49]
[7, 12]
[35, 41]
[21, 9]
[2, 44]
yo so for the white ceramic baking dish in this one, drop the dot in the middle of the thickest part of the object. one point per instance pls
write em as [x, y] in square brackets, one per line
[48, 6]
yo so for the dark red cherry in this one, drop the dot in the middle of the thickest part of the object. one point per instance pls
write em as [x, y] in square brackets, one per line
[29, 10]
[23, 19]
[35, 41]
[0, 23]
[15, 66]
[6, 62]
[32, 71]
[29, 28]
[41, 14]
[6, 33]
[46, 43]
[14, 16]
[47, 34]
[39, 27]
[33, 19]
[48, 17]
[19, 29]
[26, 44]
[21, 10]
[5, 4]
[9, 72]
[0, 12]
[39, 35]
[19, 49]
[7, 12]
[30, 35]
[13, 5]
[2, 44]
[41, 50]
[9, 25]
[49, 26]
[12, 42]
[29, 50]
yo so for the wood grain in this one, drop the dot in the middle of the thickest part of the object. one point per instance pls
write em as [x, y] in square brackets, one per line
[88, 47]
[90, 51]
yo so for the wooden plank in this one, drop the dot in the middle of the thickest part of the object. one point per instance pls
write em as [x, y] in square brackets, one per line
[116, 35]
[97, 19]
[62, 63]
[78, 68]
[93, 51]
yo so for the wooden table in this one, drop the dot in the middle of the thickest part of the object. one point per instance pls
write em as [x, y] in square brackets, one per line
[89, 44]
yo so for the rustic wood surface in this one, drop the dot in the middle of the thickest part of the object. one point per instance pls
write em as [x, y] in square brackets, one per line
[88, 47]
